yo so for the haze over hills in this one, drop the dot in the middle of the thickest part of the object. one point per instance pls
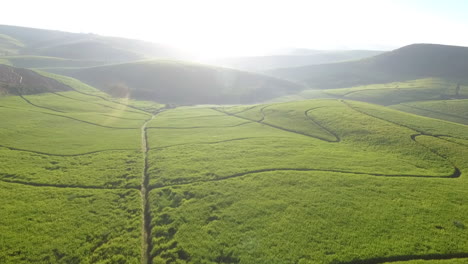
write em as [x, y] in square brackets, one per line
[296, 58]
[407, 63]
[50, 43]
[123, 73]
[182, 82]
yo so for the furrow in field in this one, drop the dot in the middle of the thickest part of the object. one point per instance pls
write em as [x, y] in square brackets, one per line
[103, 105]
[35, 184]
[146, 217]
[61, 155]
[193, 127]
[455, 174]
[337, 138]
[278, 127]
[391, 259]
[435, 112]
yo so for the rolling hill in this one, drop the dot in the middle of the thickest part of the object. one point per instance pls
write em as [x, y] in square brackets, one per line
[407, 63]
[264, 63]
[182, 83]
[18, 81]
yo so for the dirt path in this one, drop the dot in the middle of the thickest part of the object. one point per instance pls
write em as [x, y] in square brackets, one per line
[146, 217]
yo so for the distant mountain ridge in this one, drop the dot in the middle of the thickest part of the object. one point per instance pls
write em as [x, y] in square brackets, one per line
[264, 63]
[16, 40]
[182, 83]
[407, 63]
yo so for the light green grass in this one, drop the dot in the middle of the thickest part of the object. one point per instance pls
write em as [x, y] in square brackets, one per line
[397, 92]
[446, 261]
[59, 135]
[188, 155]
[428, 125]
[308, 217]
[186, 117]
[450, 110]
[53, 225]
[110, 169]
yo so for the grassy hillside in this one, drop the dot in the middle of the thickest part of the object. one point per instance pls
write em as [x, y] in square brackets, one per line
[317, 181]
[263, 63]
[407, 63]
[20, 81]
[46, 62]
[71, 172]
[107, 180]
[408, 91]
[451, 110]
[182, 83]
[73, 46]
[320, 181]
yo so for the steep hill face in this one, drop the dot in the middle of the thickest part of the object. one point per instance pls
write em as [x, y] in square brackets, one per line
[17, 81]
[183, 83]
[407, 63]
[30, 41]
[264, 63]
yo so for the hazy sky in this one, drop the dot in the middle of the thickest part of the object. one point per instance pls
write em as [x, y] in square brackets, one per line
[247, 27]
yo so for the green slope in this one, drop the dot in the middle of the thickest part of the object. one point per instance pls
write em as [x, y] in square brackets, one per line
[407, 63]
[263, 184]
[182, 82]
[19, 81]
[47, 62]
[315, 181]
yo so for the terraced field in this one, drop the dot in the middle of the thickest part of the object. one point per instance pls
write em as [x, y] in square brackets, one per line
[317, 181]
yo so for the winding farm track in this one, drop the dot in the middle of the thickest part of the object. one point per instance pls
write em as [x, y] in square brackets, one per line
[456, 173]
[145, 187]
[103, 105]
[391, 259]
[261, 121]
[378, 260]
[62, 155]
[67, 186]
[146, 217]
[436, 112]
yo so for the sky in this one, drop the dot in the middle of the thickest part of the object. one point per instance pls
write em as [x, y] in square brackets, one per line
[220, 28]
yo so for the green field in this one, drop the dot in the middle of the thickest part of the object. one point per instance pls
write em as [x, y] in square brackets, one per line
[86, 178]
[383, 186]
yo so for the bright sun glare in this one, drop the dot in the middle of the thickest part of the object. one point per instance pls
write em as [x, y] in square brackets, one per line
[214, 28]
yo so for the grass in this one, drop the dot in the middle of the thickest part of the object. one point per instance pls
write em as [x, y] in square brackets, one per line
[197, 154]
[51, 131]
[307, 217]
[27, 61]
[449, 261]
[258, 193]
[450, 110]
[53, 225]
[316, 181]
[108, 169]
[185, 117]
[65, 176]
[398, 92]
[427, 125]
